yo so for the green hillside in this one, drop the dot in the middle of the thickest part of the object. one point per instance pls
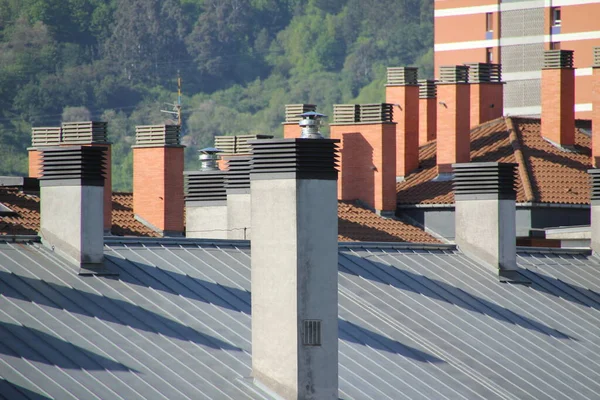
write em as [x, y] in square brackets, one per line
[240, 61]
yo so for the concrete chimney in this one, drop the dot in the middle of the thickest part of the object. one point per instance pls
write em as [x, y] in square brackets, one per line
[595, 209]
[237, 183]
[71, 194]
[93, 133]
[367, 154]
[402, 90]
[292, 111]
[427, 111]
[41, 137]
[487, 92]
[205, 199]
[158, 178]
[294, 267]
[596, 108]
[558, 98]
[484, 198]
[453, 117]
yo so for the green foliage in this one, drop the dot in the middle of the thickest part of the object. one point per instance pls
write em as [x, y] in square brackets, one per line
[240, 61]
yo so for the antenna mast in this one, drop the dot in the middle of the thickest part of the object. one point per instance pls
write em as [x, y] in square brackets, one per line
[176, 106]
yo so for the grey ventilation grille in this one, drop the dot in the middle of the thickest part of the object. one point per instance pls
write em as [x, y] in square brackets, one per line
[382, 112]
[486, 178]
[596, 56]
[595, 184]
[484, 72]
[427, 89]
[306, 158]
[346, 113]
[157, 135]
[238, 174]
[86, 132]
[83, 163]
[241, 143]
[558, 59]
[226, 144]
[204, 186]
[293, 110]
[45, 136]
[454, 74]
[402, 76]
[311, 332]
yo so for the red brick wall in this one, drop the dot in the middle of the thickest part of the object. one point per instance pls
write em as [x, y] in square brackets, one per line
[35, 163]
[453, 134]
[427, 120]
[596, 117]
[558, 105]
[483, 95]
[158, 186]
[291, 130]
[407, 128]
[367, 164]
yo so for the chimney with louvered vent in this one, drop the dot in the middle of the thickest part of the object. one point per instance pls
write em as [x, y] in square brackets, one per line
[41, 137]
[453, 117]
[292, 111]
[427, 111]
[71, 197]
[485, 214]
[158, 178]
[487, 92]
[205, 198]
[558, 98]
[294, 267]
[402, 90]
[596, 108]
[367, 154]
[237, 184]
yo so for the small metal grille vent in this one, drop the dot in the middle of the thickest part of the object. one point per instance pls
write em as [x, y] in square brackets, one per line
[293, 110]
[427, 89]
[45, 136]
[157, 135]
[596, 56]
[311, 332]
[595, 186]
[484, 72]
[402, 75]
[558, 59]
[454, 74]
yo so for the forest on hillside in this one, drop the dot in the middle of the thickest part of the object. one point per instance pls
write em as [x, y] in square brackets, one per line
[240, 62]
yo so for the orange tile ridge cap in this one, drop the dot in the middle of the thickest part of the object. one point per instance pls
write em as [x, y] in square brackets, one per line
[522, 168]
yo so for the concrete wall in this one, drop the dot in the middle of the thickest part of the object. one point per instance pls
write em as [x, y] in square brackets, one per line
[294, 277]
[206, 222]
[238, 215]
[595, 227]
[72, 222]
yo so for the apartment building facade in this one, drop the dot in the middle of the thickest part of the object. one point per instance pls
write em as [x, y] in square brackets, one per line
[515, 33]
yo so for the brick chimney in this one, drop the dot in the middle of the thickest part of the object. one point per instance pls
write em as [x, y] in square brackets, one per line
[595, 209]
[427, 111]
[454, 109]
[558, 98]
[158, 178]
[402, 90]
[292, 111]
[205, 199]
[487, 92]
[41, 137]
[93, 133]
[596, 108]
[71, 197]
[367, 154]
[237, 184]
[484, 198]
[294, 268]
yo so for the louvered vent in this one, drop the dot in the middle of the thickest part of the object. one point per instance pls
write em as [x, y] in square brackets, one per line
[427, 89]
[82, 163]
[45, 136]
[487, 178]
[402, 76]
[596, 56]
[595, 186]
[381, 112]
[238, 174]
[293, 110]
[454, 74]
[204, 186]
[86, 132]
[311, 332]
[157, 135]
[484, 72]
[241, 143]
[558, 59]
[346, 113]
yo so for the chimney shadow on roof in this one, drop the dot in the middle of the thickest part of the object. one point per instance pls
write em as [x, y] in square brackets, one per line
[137, 273]
[353, 333]
[13, 391]
[359, 232]
[440, 291]
[104, 308]
[37, 346]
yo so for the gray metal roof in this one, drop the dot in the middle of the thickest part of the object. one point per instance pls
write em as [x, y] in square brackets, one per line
[415, 322]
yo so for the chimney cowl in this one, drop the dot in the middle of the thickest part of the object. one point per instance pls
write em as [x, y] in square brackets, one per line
[208, 158]
[310, 122]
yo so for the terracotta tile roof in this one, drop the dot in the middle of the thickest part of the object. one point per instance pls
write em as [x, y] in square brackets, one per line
[546, 173]
[360, 224]
[355, 223]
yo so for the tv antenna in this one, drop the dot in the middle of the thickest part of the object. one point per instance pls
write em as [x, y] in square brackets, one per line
[176, 106]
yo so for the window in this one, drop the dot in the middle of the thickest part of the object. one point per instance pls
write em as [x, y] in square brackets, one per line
[555, 46]
[489, 22]
[556, 18]
[489, 55]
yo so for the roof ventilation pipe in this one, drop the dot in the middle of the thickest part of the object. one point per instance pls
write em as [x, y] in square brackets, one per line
[209, 157]
[310, 123]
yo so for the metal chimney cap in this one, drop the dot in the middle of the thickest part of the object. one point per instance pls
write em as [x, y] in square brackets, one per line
[312, 115]
[210, 150]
